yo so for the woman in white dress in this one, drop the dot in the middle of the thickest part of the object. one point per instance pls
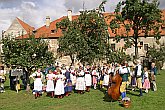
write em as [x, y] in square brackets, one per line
[106, 78]
[88, 79]
[37, 83]
[59, 88]
[80, 83]
[73, 76]
[50, 83]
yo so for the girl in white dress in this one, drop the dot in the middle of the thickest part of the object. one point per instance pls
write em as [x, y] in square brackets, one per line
[106, 78]
[60, 80]
[80, 83]
[73, 76]
[88, 79]
[50, 83]
[95, 75]
[37, 83]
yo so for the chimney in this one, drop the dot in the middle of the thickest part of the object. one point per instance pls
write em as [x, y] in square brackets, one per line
[70, 15]
[47, 21]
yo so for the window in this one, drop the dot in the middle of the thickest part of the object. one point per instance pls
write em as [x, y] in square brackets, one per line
[146, 47]
[141, 43]
[52, 31]
[113, 46]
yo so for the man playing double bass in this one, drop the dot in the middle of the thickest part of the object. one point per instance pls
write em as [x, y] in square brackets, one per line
[123, 71]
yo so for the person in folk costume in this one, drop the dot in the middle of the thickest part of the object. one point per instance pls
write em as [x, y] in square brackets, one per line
[68, 82]
[111, 70]
[153, 76]
[50, 77]
[73, 76]
[17, 86]
[63, 69]
[138, 75]
[133, 78]
[106, 77]
[129, 76]
[123, 71]
[95, 75]
[37, 83]
[2, 79]
[59, 88]
[57, 69]
[101, 78]
[146, 84]
[88, 78]
[80, 82]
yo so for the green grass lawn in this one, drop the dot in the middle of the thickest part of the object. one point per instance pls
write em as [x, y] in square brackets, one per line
[94, 100]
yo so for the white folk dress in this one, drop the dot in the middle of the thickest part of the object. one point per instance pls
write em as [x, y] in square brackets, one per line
[50, 83]
[59, 89]
[37, 81]
[80, 83]
[73, 77]
[106, 80]
[88, 79]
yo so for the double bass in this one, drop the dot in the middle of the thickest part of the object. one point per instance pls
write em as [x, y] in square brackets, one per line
[114, 89]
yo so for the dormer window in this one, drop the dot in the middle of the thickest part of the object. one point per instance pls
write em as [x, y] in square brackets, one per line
[34, 31]
[52, 31]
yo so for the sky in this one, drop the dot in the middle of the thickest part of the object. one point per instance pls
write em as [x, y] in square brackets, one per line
[34, 12]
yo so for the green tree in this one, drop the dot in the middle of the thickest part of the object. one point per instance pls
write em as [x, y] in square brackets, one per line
[85, 37]
[118, 56]
[157, 54]
[26, 53]
[140, 17]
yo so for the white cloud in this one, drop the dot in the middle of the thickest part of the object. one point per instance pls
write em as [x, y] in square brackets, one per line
[34, 11]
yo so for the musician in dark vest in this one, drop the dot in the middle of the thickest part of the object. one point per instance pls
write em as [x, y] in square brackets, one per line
[138, 75]
[123, 71]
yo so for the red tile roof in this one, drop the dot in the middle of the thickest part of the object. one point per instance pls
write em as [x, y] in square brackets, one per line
[46, 32]
[27, 27]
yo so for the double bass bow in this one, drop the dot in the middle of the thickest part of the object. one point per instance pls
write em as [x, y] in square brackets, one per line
[114, 89]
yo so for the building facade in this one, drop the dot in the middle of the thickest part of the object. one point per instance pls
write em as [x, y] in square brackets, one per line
[51, 33]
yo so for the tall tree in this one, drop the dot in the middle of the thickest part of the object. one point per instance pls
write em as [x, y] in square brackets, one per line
[26, 53]
[86, 37]
[157, 55]
[136, 18]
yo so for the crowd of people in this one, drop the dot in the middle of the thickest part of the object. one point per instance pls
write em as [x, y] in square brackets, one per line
[59, 81]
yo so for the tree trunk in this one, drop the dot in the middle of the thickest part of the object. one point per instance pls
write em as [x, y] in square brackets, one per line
[136, 48]
[136, 42]
[72, 59]
[28, 75]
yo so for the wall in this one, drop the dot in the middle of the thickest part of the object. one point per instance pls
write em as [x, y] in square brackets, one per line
[131, 51]
[15, 30]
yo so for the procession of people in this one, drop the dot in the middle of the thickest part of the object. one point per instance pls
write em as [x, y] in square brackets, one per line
[61, 80]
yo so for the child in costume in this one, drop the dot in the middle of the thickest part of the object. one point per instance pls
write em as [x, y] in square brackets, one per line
[50, 83]
[146, 84]
[37, 91]
[59, 88]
